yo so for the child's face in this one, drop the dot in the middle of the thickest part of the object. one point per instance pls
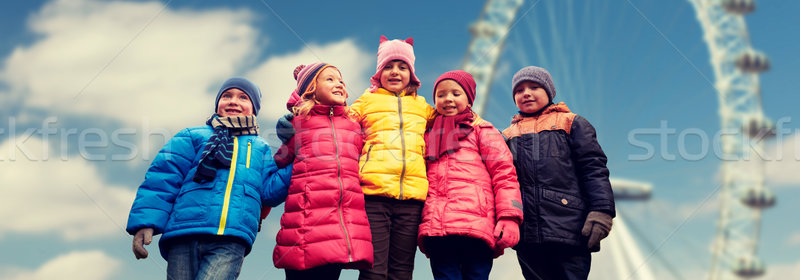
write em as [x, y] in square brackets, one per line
[395, 76]
[234, 102]
[330, 87]
[450, 98]
[530, 97]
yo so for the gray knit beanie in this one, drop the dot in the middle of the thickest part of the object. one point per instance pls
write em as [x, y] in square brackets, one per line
[534, 74]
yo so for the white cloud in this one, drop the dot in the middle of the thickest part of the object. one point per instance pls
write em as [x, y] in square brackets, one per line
[782, 271]
[45, 194]
[129, 60]
[794, 239]
[276, 81]
[781, 168]
[88, 265]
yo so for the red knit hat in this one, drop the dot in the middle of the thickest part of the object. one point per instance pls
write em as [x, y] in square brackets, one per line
[463, 78]
[394, 50]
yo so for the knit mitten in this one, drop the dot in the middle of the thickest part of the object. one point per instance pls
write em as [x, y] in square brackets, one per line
[506, 232]
[284, 128]
[596, 227]
[143, 237]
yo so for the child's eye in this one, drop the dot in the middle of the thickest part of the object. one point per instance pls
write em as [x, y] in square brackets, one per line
[244, 97]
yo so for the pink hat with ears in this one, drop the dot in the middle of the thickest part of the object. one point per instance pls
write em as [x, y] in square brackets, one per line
[394, 50]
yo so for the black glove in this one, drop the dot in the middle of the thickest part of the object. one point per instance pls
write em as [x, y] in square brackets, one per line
[596, 227]
[284, 128]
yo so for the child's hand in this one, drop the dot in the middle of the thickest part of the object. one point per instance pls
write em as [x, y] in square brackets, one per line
[597, 226]
[143, 237]
[506, 232]
[284, 128]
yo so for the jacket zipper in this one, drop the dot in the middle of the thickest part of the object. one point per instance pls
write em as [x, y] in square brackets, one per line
[367, 159]
[224, 215]
[402, 141]
[536, 188]
[341, 188]
[248, 154]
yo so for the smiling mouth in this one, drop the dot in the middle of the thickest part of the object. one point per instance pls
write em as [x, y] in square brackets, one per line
[338, 93]
[232, 111]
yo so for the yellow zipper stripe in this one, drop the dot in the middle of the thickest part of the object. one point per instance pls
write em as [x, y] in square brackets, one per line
[224, 216]
[248, 154]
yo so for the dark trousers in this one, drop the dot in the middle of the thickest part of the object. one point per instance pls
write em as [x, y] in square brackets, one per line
[324, 272]
[459, 257]
[554, 261]
[394, 224]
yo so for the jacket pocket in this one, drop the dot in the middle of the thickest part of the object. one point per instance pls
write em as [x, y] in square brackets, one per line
[251, 210]
[562, 215]
[193, 202]
[367, 157]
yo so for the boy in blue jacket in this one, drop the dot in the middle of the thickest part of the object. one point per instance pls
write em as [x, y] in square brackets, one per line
[205, 190]
[566, 195]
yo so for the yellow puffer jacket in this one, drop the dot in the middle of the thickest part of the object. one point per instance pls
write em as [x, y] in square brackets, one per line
[392, 162]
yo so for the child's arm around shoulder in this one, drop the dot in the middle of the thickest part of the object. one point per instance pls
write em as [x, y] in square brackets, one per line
[162, 183]
[276, 181]
[590, 162]
[499, 162]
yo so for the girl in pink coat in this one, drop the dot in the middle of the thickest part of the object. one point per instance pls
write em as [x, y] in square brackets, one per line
[473, 209]
[324, 228]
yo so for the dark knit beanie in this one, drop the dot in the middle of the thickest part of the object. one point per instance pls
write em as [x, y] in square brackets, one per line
[463, 78]
[244, 85]
[534, 74]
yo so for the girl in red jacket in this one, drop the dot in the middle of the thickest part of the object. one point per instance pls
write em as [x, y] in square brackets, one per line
[324, 228]
[473, 209]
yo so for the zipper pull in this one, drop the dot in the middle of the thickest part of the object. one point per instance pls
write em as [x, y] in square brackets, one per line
[331, 112]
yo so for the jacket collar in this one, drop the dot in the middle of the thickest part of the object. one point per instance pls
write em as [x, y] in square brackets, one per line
[552, 108]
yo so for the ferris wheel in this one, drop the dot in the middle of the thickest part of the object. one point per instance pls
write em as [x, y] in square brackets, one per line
[736, 66]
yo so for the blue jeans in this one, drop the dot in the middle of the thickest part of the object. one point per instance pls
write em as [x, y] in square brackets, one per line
[204, 258]
[459, 257]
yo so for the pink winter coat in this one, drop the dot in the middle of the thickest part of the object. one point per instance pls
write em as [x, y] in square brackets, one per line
[324, 220]
[471, 189]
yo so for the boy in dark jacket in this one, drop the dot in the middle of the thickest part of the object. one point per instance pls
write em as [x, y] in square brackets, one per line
[567, 198]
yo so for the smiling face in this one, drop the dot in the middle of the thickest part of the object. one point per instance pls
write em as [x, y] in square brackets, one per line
[530, 97]
[234, 102]
[395, 76]
[330, 87]
[450, 98]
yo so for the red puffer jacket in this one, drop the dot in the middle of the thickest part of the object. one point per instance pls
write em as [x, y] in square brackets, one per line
[324, 220]
[471, 189]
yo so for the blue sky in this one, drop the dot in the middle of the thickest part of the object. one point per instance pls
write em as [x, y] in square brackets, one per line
[89, 90]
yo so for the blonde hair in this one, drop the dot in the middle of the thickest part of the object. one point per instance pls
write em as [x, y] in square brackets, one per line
[309, 98]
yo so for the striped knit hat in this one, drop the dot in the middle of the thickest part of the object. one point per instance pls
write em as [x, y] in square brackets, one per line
[394, 50]
[306, 77]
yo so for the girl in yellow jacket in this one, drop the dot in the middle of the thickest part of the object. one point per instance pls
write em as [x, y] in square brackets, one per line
[392, 164]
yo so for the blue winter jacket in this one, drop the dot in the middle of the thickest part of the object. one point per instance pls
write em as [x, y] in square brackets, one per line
[172, 204]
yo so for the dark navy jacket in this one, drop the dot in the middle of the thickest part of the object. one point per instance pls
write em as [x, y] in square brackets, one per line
[562, 174]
